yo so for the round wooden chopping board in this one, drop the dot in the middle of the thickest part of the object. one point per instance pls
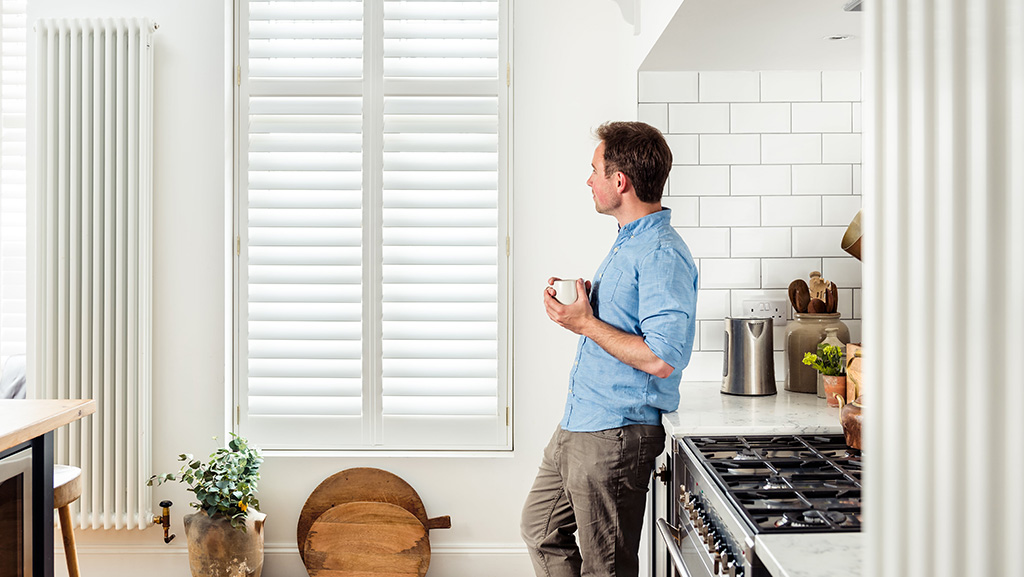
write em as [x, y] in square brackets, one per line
[363, 539]
[361, 484]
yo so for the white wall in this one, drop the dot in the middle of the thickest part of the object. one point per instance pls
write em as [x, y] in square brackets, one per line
[573, 69]
[765, 179]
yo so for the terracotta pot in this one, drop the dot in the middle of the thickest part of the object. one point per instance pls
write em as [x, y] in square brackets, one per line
[216, 549]
[852, 420]
[835, 388]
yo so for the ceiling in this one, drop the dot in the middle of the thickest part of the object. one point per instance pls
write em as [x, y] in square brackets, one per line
[759, 35]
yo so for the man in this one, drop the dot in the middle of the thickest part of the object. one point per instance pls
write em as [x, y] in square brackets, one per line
[636, 333]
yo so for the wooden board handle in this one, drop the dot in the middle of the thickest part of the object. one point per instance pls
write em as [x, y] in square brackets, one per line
[442, 522]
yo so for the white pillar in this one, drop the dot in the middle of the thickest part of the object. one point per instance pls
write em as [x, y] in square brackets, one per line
[944, 287]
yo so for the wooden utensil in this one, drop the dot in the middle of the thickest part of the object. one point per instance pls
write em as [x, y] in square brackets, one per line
[363, 484]
[816, 306]
[831, 298]
[366, 539]
[799, 295]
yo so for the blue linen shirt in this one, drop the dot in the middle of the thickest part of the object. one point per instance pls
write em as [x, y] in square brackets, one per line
[647, 285]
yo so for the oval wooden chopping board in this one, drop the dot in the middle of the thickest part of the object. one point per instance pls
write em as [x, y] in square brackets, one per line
[365, 539]
[362, 484]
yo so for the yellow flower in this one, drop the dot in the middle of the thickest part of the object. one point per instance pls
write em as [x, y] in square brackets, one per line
[242, 506]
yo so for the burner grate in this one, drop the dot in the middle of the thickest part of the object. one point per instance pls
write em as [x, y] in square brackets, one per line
[786, 484]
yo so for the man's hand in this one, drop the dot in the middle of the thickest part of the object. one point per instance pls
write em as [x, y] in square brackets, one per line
[574, 317]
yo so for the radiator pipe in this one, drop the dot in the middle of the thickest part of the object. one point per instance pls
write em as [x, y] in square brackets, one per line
[165, 520]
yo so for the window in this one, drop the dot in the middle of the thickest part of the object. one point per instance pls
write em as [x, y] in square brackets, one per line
[13, 215]
[372, 218]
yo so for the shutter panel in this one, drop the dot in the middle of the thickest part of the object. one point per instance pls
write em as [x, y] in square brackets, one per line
[303, 262]
[13, 213]
[440, 384]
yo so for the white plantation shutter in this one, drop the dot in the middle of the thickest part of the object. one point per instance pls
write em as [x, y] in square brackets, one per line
[374, 237]
[13, 216]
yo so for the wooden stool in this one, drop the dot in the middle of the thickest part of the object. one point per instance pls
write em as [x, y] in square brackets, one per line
[67, 487]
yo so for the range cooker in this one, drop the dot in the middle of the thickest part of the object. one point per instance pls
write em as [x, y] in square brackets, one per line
[727, 489]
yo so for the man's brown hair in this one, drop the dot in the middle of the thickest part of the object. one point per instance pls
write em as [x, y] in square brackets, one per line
[640, 152]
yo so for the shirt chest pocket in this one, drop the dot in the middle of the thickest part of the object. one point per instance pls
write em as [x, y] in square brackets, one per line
[606, 286]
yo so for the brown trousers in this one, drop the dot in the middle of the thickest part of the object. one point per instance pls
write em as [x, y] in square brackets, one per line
[593, 485]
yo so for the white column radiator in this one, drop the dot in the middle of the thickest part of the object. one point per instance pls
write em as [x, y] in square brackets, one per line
[94, 250]
[943, 278]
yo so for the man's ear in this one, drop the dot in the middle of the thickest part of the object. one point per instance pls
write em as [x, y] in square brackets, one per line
[621, 182]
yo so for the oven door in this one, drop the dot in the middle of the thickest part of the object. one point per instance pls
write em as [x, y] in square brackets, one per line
[685, 550]
[16, 512]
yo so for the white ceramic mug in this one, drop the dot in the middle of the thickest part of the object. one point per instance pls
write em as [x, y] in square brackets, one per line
[565, 291]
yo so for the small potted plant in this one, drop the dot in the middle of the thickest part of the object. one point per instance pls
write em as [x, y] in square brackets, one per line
[225, 537]
[829, 364]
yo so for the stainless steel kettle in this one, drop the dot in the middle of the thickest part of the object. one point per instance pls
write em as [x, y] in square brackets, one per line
[749, 358]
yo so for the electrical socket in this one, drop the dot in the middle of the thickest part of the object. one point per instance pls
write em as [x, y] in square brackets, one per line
[776, 309]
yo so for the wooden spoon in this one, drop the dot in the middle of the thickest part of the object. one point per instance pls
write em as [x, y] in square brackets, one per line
[816, 306]
[831, 298]
[799, 295]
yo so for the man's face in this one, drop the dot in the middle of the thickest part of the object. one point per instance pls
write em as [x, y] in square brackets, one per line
[605, 188]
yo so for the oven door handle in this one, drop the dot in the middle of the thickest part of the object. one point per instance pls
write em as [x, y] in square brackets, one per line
[669, 534]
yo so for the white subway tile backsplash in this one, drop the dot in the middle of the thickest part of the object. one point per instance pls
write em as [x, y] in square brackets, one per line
[699, 180]
[822, 117]
[729, 87]
[706, 241]
[730, 149]
[685, 210]
[766, 176]
[777, 273]
[712, 335]
[698, 118]
[760, 180]
[655, 114]
[845, 271]
[822, 179]
[760, 117]
[730, 211]
[840, 148]
[704, 366]
[685, 148]
[730, 273]
[712, 304]
[761, 242]
[659, 86]
[840, 85]
[819, 241]
[790, 211]
[791, 148]
[799, 86]
[839, 210]
[845, 305]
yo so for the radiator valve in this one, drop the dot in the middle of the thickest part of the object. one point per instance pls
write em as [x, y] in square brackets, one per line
[165, 520]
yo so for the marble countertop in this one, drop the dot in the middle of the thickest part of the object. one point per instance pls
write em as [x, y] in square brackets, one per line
[704, 410]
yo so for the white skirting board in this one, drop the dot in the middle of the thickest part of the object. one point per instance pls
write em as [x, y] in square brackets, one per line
[282, 560]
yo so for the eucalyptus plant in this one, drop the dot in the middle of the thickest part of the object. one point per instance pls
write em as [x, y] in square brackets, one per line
[828, 361]
[226, 485]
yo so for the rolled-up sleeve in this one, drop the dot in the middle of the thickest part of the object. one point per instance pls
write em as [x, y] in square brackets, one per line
[668, 305]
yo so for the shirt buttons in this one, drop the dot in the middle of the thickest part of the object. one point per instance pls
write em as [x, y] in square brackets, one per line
[616, 249]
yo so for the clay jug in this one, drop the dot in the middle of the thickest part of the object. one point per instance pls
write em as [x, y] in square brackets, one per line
[216, 549]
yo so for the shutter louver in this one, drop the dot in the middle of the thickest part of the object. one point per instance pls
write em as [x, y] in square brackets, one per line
[13, 208]
[304, 219]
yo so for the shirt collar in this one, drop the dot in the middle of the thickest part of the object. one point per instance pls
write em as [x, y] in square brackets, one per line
[645, 222]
